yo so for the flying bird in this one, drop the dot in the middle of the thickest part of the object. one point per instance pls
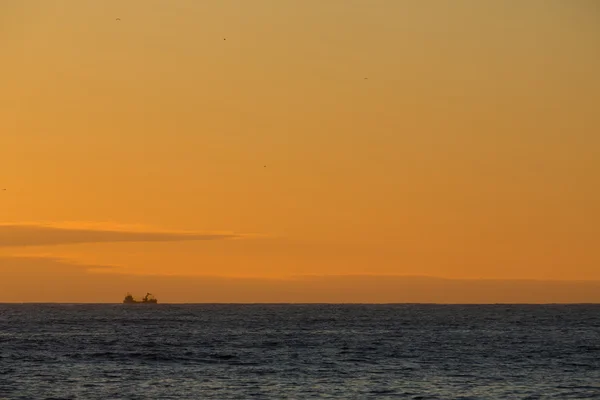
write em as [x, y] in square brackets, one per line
[118, 19]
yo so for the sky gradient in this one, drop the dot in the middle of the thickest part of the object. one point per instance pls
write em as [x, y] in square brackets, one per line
[266, 141]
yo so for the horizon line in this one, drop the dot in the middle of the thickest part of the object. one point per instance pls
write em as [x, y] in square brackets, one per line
[299, 303]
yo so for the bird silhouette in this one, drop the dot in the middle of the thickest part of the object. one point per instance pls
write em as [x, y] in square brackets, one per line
[118, 19]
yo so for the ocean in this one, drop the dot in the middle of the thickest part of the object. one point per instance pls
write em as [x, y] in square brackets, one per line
[50, 351]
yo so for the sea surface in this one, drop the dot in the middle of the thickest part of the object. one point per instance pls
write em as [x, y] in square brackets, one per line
[299, 351]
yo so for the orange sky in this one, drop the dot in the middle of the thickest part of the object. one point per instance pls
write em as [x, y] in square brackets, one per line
[152, 146]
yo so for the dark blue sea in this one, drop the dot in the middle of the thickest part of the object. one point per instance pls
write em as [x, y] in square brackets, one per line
[299, 351]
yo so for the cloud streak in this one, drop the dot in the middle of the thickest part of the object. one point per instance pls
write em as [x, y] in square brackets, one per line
[21, 235]
[32, 279]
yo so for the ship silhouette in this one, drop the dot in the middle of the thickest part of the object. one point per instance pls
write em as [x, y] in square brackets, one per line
[148, 299]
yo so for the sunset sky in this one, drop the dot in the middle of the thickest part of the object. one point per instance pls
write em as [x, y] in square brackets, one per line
[314, 150]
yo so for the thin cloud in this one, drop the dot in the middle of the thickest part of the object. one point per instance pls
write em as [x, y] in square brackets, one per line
[54, 265]
[54, 234]
[34, 279]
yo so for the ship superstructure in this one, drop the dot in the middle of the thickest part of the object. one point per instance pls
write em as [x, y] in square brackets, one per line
[148, 299]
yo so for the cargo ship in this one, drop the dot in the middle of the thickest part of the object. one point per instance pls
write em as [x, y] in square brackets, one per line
[148, 299]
